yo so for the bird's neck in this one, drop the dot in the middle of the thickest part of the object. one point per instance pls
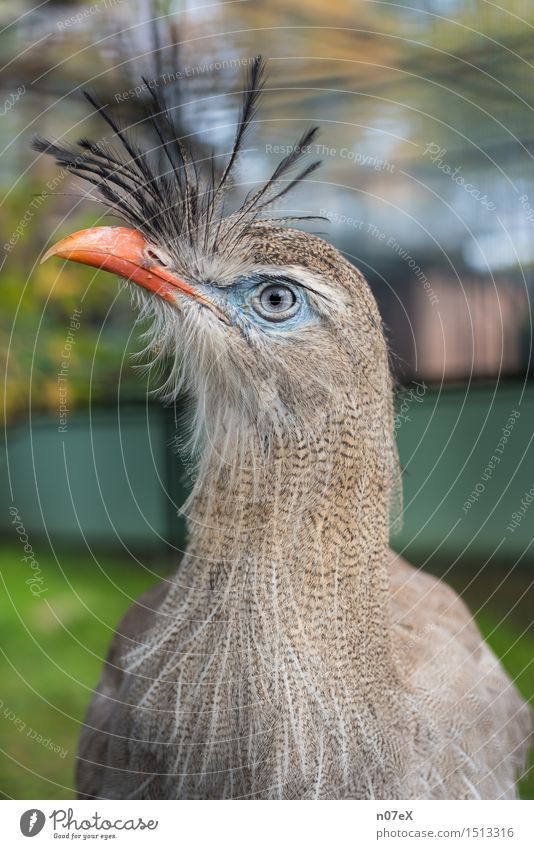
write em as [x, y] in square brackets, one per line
[295, 535]
[273, 650]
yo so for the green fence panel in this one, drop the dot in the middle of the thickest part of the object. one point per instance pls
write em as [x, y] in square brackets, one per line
[112, 479]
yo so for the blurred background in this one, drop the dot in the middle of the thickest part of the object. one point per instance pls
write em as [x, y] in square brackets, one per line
[427, 185]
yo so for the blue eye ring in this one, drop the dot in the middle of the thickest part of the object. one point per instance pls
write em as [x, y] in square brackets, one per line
[275, 302]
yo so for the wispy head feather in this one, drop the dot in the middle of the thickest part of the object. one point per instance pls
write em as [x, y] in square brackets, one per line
[163, 191]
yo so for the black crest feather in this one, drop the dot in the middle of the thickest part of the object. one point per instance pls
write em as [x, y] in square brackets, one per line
[163, 190]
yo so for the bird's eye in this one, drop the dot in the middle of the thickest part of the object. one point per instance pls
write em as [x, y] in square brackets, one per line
[276, 302]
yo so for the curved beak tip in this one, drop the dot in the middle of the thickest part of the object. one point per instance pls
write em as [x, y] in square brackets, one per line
[121, 251]
[50, 252]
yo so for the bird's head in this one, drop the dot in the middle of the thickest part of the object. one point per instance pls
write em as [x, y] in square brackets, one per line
[270, 326]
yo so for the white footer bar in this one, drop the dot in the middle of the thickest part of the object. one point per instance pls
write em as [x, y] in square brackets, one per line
[269, 825]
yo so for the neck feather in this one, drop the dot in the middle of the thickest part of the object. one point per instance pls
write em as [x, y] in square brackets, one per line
[300, 537]
[274, 638]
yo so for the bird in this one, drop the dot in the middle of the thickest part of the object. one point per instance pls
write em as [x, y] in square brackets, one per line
[292, 654]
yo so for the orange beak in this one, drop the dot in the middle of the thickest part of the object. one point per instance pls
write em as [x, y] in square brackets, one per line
[123, 252]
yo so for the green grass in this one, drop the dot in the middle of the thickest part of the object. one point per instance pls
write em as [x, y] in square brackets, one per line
[516, 651]
[52, 650]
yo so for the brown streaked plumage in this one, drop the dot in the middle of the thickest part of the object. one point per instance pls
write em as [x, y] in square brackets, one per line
[292, 655]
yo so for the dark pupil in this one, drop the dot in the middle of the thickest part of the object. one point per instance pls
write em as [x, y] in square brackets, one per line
[276, 298]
